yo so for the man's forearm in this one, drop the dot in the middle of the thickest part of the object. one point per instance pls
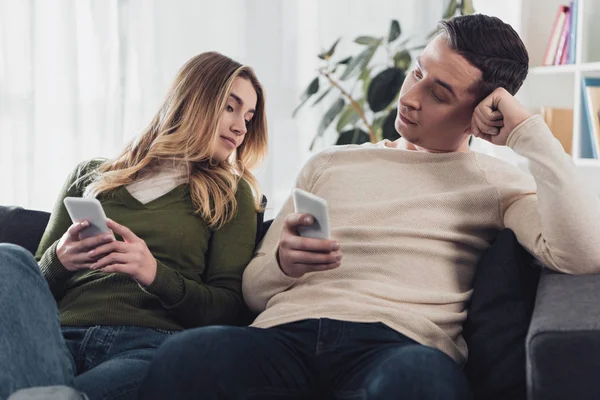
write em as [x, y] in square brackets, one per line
[569, 213]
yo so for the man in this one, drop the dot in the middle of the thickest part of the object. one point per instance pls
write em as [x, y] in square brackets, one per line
[377, 312]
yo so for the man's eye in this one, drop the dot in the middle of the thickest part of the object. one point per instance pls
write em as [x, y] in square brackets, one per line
[437, 98]
[417, 73]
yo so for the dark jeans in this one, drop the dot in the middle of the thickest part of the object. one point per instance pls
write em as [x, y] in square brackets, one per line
[307, 359]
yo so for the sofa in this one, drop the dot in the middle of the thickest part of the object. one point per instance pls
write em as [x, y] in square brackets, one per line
[532, 333]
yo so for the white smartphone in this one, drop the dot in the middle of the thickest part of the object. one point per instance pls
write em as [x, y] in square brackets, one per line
[87, 209]
[308, 203]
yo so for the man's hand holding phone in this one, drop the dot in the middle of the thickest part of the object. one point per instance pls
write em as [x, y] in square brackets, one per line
[305, 245]
[299, 255]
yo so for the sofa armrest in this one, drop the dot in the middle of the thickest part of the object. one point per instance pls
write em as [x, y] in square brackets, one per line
[563, 343]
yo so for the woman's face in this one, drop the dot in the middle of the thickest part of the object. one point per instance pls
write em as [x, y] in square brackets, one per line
[233, 123]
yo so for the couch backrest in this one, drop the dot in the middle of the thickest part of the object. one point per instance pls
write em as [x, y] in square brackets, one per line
[22, 227]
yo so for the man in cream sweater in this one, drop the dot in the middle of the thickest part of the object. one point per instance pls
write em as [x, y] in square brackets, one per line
[377, 311]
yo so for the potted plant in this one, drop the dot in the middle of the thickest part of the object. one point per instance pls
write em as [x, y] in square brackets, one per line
[366, 108]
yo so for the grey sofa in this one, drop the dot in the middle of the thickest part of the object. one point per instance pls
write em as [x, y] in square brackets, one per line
[558, 350]
[563, 342]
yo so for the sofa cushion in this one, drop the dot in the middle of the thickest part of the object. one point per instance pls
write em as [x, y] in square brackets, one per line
[498, 320]
[22, 227]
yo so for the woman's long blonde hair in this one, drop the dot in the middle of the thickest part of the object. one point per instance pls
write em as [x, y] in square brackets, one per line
[185, 130]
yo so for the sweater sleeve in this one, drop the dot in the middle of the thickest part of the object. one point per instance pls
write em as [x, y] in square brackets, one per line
[558, 220]
[52, 269]
[219, 299]
[264, 278]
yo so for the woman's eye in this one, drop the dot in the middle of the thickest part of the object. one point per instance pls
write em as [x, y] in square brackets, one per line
[247, 123]
[229, 108]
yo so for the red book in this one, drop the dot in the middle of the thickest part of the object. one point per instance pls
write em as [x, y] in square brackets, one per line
[563, 43]
[557, 28]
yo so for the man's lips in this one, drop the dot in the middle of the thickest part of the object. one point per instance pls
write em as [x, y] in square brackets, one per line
[406, 120]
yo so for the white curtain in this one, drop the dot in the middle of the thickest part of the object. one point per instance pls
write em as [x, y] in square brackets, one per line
[80, 78]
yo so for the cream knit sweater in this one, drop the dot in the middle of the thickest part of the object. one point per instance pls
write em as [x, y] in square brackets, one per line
[412, 226]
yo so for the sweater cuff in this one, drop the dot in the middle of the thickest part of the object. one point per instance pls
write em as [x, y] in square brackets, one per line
[534, 123]
[280, 277]
[55, 273]
[168, 285]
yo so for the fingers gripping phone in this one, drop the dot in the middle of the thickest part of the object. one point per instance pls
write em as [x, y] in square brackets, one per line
[308, 203]
[87, 209]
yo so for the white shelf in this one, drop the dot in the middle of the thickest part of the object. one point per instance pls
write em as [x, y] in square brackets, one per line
[590, 67]
[554, 69]
[565, 69]
[588, 162]
[556, 86]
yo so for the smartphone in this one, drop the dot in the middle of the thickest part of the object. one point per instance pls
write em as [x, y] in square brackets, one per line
[308, 203]
[87, 209]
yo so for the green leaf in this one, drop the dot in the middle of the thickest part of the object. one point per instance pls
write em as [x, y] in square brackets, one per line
[365, 76]
[402, 60]
[360, 61]
[384, 88]
[312, 88]
[394, 31]
[367, 40]
[348, 117]
[327, 55]
[330, 115]
[353, 136]
[322, 96]
[451, 10]
[388, 127]
[466, 7]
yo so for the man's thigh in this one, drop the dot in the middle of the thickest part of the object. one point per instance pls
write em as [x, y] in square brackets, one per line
[403, 371]
[234, 362]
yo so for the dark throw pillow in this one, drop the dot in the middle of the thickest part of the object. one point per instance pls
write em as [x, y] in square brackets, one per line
[22, 227]
[498, 319]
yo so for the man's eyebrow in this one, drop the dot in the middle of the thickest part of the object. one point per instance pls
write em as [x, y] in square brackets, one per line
[241, 102]
[443, 84]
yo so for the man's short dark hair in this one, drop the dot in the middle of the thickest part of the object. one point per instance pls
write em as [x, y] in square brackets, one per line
[493, 47]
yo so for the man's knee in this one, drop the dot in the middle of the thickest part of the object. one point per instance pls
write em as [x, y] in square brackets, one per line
[204, 348]
[425, 372]
[207, 360]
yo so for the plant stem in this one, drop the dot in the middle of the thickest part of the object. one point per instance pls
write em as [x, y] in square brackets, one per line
[353, 102]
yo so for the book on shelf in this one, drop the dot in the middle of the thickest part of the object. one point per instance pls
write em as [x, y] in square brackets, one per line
[555, 35]
[590, 122]
[574, 7]
[561, 43]
[593, 106]
[561, 49]
[560, 122]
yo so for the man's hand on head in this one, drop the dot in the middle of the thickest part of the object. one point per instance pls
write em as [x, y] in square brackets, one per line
[496, 117]
[298, 255]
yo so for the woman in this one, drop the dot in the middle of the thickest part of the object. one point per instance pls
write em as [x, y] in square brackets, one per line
[181, 205]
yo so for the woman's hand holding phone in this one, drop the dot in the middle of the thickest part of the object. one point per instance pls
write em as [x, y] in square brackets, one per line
[131, 257]
[73, 252]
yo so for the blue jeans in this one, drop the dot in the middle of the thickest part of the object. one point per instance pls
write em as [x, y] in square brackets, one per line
[308, 359]
[105, 362]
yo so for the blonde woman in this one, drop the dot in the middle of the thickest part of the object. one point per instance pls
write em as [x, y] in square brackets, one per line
[182, 204]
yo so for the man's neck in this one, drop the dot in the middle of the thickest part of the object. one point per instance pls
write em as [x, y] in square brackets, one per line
[404, 144]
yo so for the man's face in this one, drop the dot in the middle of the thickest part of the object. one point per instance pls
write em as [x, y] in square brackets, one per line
[436, 103]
